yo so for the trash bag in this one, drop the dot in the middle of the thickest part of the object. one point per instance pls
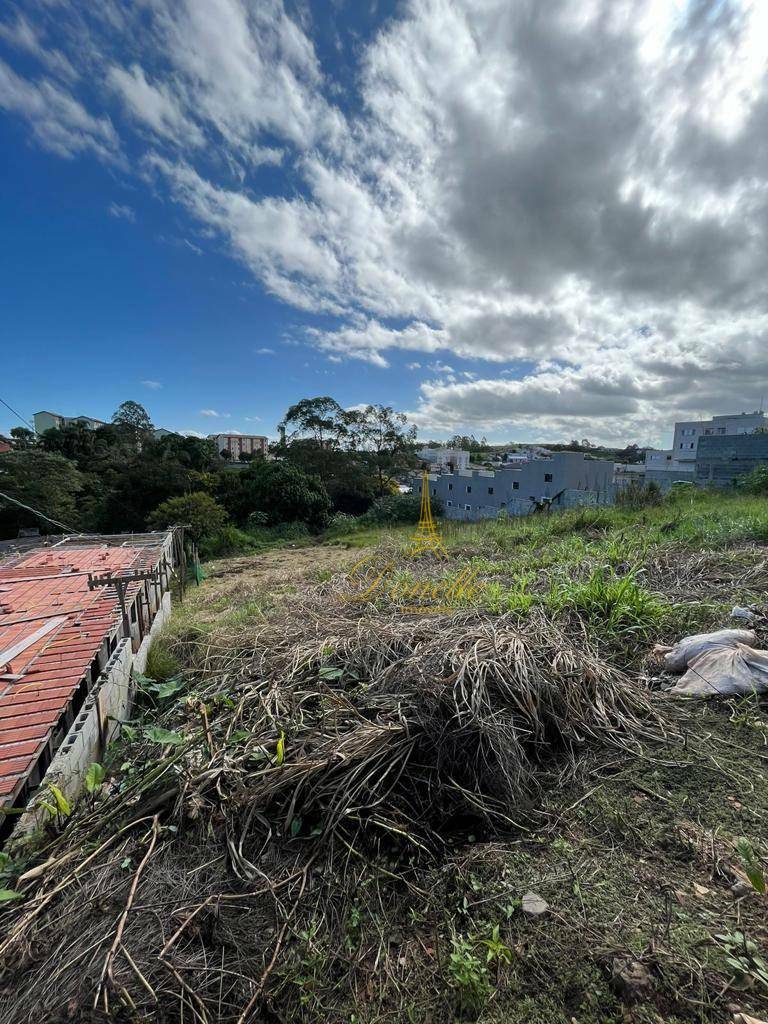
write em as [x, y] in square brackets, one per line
[679, 657]
[737, 670]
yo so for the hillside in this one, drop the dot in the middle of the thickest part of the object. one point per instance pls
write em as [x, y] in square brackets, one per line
[358, 790]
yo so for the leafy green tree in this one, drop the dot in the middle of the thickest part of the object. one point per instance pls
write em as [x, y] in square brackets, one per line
[198, 511]
[24, 438]
[44, 481]
[345, 474]
[133, 415]
[279, 490]
[321, 418]
[385, 440]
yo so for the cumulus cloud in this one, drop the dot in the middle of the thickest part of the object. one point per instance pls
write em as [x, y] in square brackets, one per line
[577, 188]
[214, 413]
[153, 385]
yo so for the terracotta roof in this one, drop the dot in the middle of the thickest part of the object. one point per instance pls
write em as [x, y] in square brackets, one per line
[52, 627]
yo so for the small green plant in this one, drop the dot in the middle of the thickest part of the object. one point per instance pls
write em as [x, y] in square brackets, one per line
[165, 736]
[743, 957]
[94, 777]
[468, 975]
[752, 865]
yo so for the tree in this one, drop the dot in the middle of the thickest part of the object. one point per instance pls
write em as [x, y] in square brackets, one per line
[24, 438]
[198, 511]
[345, 474]
[45, 482]
[384, 439]
[322, 418]
[279, 490]
[133, 416]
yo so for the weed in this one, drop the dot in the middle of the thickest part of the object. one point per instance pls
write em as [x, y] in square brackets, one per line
[468, 975]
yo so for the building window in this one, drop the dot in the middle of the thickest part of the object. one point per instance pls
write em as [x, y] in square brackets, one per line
[547, 478]
[449, 504]
[515, 485]
[469, 489]
[468, 508]
[450, 487]
[721, 430]
[490, 490]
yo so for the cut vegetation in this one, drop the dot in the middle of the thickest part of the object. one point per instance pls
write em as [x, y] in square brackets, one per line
[334, 808]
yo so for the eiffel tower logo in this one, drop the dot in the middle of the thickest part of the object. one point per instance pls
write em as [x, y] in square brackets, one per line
[426, 537]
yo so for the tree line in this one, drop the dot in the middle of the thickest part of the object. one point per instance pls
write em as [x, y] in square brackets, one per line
[120, 477]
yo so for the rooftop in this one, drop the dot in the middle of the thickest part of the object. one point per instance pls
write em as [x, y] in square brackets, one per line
[52, 627]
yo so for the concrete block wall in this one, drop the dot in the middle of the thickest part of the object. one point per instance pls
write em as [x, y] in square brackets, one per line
[96, 725]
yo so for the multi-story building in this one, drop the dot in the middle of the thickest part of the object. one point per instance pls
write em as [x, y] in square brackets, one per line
[722, 460]
[238, 444]
[678, 463]
[444, 458]
[563, 480]
[689, 432]
[53, 420]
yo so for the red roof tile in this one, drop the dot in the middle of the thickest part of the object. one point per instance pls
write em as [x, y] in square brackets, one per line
[50, 657]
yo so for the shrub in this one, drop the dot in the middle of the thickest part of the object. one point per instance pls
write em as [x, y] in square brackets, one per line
[639, 495]
[226, 541]
[201, 513]
[755, 482]
[281, 492]
[398, 508]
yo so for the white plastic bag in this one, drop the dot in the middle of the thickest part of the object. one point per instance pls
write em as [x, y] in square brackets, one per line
[683, 653]
[725, 670]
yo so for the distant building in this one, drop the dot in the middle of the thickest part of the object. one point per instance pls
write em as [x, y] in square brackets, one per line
[625, 472]
[161, 432]
[6, 445]
[562, 480]
[689, 433]
[722, 460]
[237, 444]
[53, 420]
[444, 458]
[678, 463]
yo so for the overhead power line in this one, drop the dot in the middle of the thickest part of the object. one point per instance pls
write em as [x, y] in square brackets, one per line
[18, 415]
[69, 529]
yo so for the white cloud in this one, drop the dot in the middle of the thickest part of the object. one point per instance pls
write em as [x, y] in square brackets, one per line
[153, 385]
[58, 122]
[121, 211]
[215, 414]
[578, 189]
[264, 351]
[154, 106]
[22, 35]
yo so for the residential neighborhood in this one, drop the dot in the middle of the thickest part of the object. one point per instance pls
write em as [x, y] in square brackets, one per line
[384, 512]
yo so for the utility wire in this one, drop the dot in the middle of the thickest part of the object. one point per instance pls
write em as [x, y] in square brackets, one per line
[18, 415]
[42, 515]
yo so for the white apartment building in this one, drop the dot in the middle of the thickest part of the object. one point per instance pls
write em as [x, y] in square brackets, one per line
[444, 458]
[236, 444]
[678, 463]
[53, 420]
[687, 433]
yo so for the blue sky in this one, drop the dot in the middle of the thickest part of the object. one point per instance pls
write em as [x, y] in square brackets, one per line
[471, 210]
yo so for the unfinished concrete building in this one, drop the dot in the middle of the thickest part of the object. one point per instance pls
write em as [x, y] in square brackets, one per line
[562, 480]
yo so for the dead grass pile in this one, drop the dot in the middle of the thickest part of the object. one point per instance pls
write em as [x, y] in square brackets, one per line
[334, 732]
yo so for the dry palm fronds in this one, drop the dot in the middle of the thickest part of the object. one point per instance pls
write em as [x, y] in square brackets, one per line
[336, 731]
